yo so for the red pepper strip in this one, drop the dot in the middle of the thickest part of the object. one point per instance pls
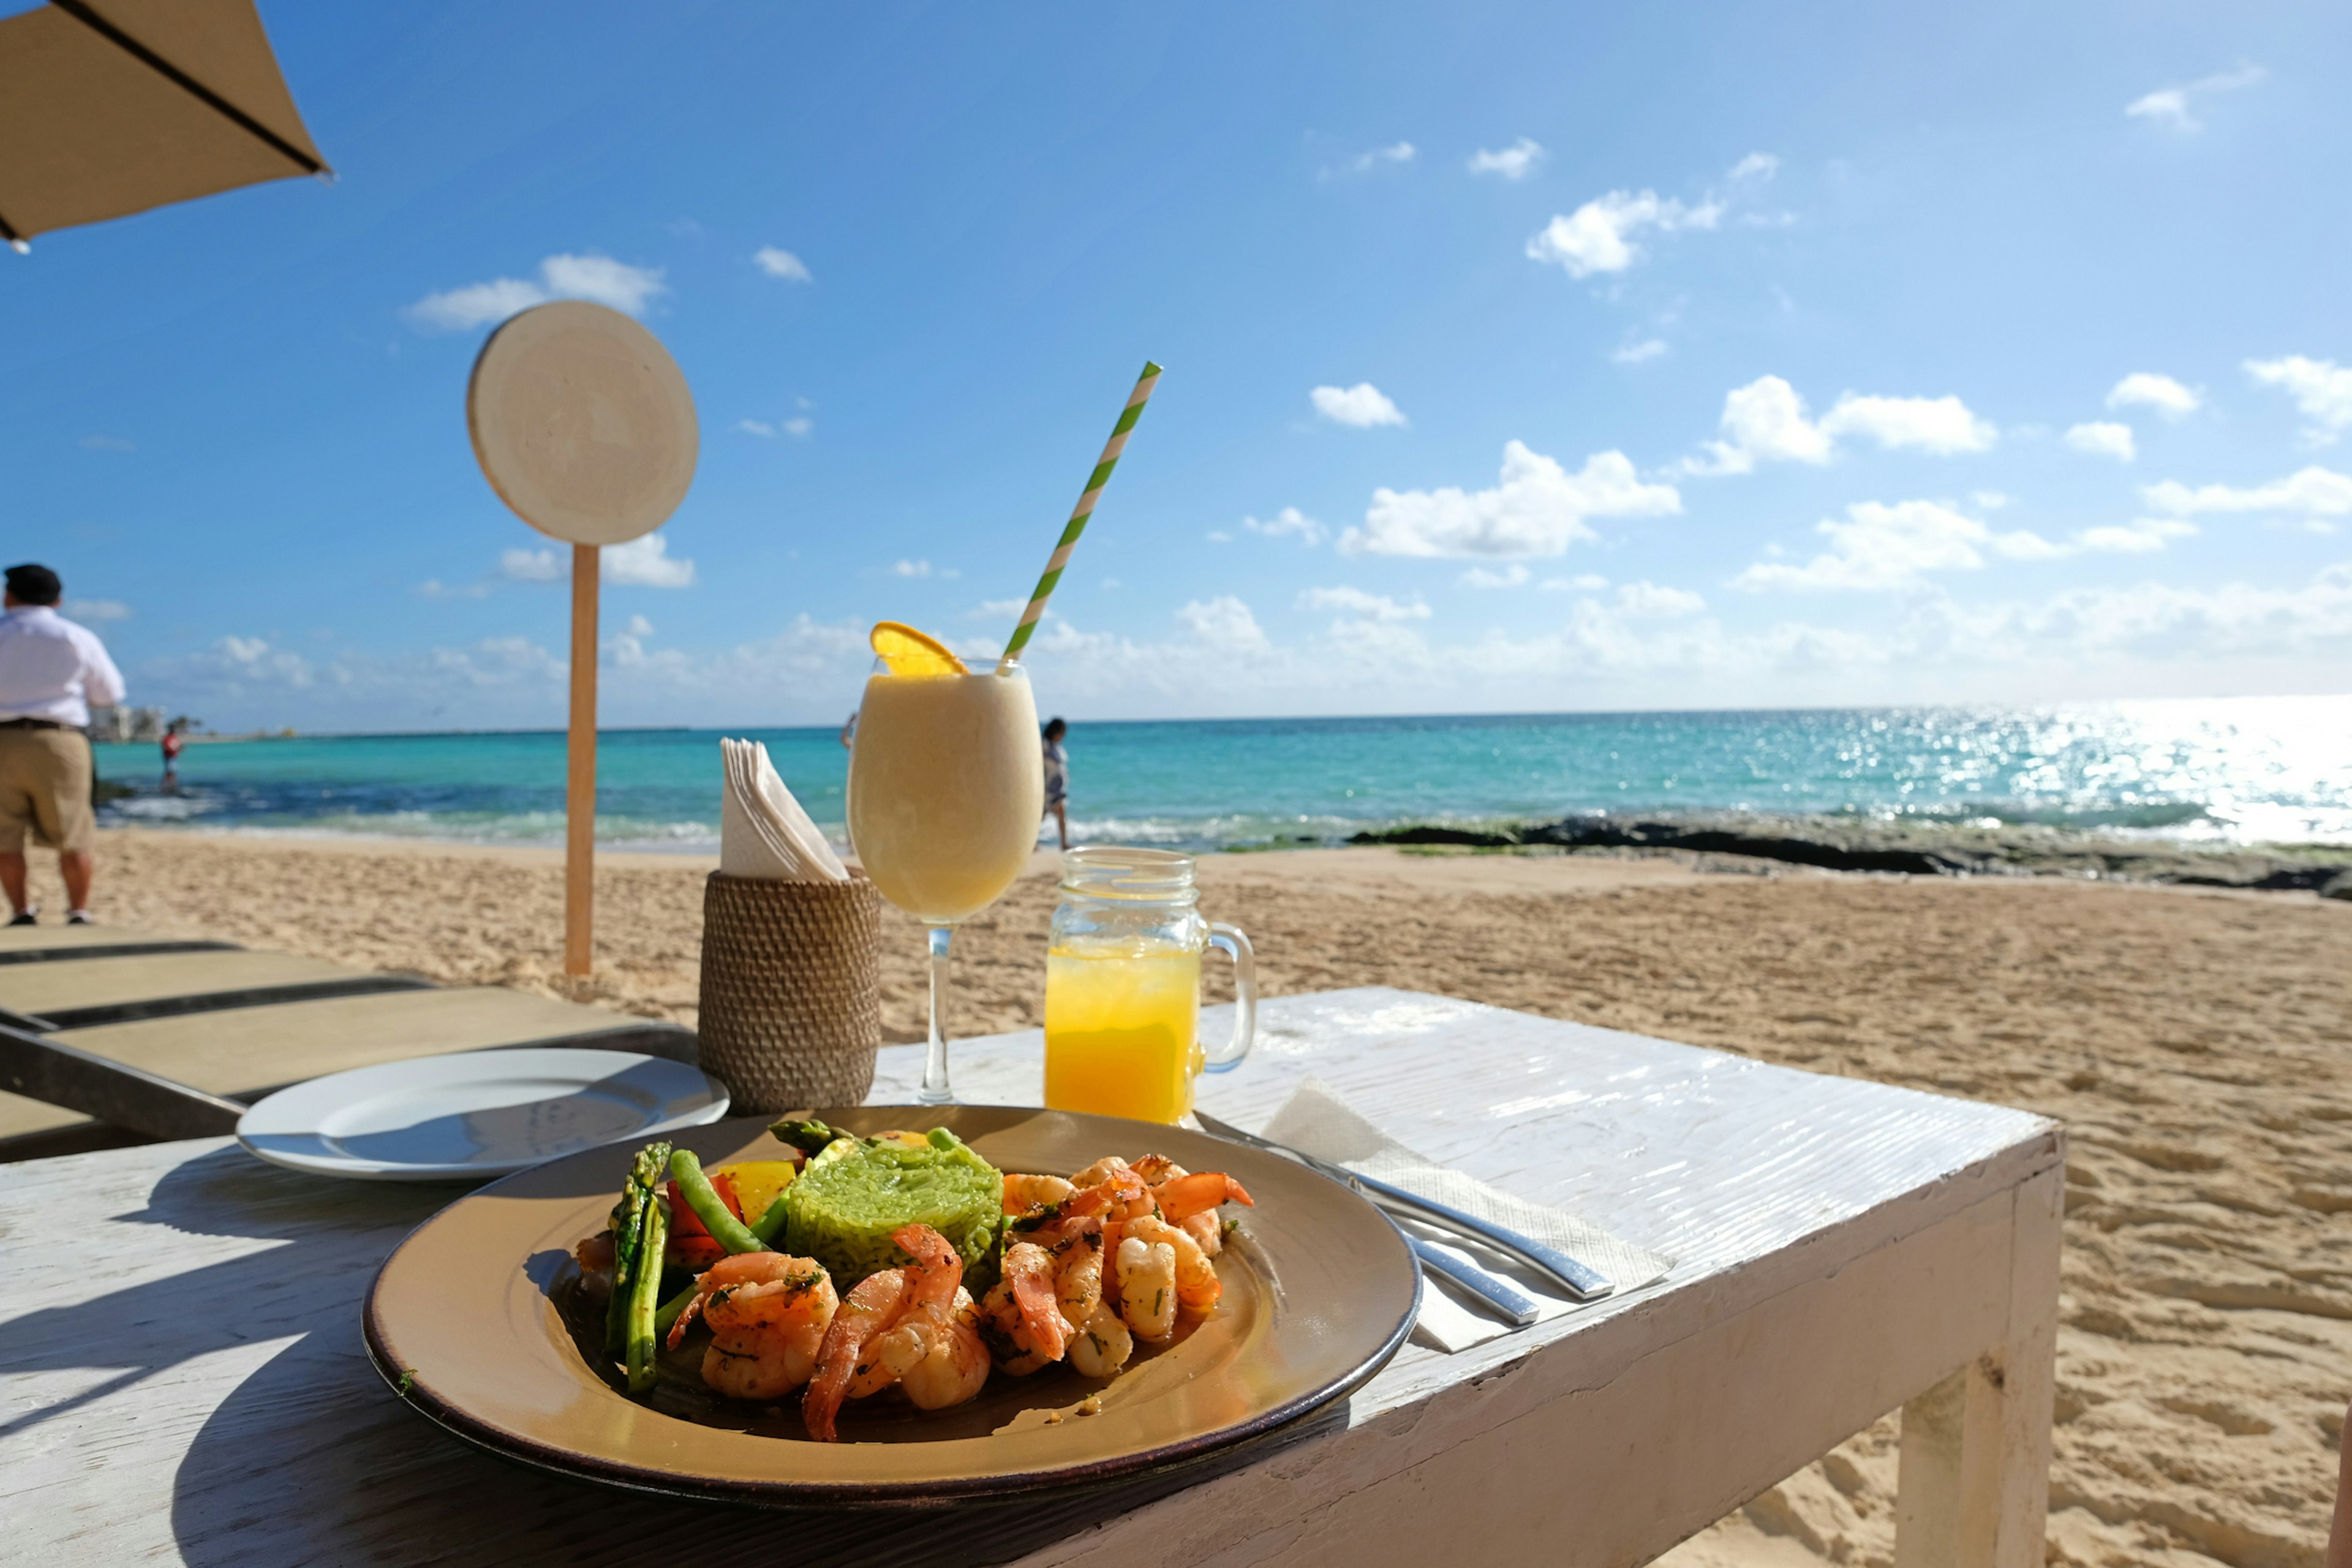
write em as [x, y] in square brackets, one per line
[691, 1244]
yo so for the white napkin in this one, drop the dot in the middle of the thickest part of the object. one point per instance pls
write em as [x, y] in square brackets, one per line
[1317, 1122]
[763, 834]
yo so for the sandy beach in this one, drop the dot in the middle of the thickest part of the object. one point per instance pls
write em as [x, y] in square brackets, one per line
[2194, 1043]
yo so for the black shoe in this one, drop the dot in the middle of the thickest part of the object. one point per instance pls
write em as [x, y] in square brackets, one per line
[26, 918]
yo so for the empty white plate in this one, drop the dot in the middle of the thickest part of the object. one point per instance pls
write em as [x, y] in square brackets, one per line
[476, 1113]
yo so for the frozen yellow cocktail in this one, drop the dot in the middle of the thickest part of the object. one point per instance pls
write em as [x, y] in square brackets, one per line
[946, 786]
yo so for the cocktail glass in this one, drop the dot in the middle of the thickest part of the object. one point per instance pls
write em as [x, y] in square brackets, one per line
[946, 786]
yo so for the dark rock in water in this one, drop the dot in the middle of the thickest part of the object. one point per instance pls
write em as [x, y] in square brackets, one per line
[1912, 849]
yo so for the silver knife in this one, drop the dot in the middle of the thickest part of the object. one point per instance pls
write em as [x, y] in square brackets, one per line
[1581, 1280]
[1507, 1302]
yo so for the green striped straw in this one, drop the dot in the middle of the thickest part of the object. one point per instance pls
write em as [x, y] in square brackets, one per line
[1085, 510]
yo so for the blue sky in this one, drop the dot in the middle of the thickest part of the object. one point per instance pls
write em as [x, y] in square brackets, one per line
[1519, 357]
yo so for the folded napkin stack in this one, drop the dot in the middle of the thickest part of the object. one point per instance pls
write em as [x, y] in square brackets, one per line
[1317, 1122]
[763, 833]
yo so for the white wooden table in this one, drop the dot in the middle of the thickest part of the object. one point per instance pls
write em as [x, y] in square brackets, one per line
[180, 1376]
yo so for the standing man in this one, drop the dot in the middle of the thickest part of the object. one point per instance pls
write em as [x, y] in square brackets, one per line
[51, 670]
[1057, 777]
[172, 744]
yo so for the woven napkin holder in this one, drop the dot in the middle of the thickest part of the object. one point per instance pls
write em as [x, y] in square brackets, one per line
[792, 990]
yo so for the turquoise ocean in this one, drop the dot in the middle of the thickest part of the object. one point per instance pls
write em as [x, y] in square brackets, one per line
[2262, 769]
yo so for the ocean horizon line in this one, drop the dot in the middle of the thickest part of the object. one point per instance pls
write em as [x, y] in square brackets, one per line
[1500, 715]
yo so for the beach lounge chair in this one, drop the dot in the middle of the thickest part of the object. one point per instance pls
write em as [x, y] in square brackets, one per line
[110, 1037]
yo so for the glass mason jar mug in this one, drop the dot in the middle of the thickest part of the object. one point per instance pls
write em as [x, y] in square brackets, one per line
[1123, 986]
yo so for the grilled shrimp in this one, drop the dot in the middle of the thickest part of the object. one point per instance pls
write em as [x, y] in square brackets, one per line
[768, 1314]
[844, 1369]
[1197, 1286]
[934, 1349]
[1147, 1287]
[1101, 1347]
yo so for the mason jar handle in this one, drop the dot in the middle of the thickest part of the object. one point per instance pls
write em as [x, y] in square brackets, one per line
[1229, 941]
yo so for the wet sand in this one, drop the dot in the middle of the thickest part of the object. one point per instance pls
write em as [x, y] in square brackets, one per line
[2195, 1044]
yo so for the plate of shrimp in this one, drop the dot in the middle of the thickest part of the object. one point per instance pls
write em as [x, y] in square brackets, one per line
[1151, 1295]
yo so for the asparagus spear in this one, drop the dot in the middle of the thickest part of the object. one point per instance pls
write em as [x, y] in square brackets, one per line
[703, 1199]
[770, 1225]
[628, 1225]
[645, 1297]
[808, 1136]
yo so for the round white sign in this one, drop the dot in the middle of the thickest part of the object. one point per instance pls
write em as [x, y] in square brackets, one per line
[582, 423]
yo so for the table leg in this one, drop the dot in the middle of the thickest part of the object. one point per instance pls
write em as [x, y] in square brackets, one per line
[1974, 1487]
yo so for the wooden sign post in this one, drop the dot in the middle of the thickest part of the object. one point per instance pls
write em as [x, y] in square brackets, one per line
[583, 426]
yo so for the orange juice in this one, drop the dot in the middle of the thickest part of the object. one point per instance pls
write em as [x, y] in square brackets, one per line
[1122, 1025]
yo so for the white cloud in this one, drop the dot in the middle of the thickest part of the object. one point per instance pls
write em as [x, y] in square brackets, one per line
[2321, 388]
[759, 428]
[1511, 576]
[923, 569]
[1942, 425]
[434, 588]
[1882, 546]
[2144, 537]
[2104, 439]
[2147, 389]
[1638, 353]
[601, 278]
[1223, 623]
[1516, 161]
[645, 564]
[2170, 105]
[2313, 492]
[1599, 236]
[1582, 582]
[98, 610]
[1537, 508]
[534, 565]
[1289, 520]
[1387, 157]
[1766, 422]
[1001, 609]
[1988, 501]
[1218, 536]
[782, 264]
[1355, 602]
[799, 425]
[1362, 406]
[1756, 166]
[1649, 600]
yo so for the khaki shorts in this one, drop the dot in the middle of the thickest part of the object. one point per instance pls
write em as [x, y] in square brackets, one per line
[45, 787]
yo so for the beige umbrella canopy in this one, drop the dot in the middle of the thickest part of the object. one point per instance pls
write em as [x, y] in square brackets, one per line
[111, 107]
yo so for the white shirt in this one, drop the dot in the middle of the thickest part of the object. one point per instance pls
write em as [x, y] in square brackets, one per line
[52, 668]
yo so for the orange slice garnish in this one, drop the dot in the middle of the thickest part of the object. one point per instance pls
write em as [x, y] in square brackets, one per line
[909, 652]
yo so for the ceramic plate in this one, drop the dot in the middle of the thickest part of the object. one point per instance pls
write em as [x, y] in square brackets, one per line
[477, 1319]
[476, 1113]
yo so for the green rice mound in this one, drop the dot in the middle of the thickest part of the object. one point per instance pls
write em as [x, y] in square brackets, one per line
[841, 1209]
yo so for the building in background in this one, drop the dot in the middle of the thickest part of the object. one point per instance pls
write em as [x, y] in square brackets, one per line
[116, 724]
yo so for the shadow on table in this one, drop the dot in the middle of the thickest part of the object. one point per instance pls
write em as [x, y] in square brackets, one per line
[137, 1327]
[313, 1460]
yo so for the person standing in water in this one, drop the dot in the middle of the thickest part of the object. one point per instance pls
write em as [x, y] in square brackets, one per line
[172, 744]
[1057, 778]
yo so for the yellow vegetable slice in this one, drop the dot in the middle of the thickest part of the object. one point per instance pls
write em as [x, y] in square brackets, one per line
[757, 1182]
[909, 652]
